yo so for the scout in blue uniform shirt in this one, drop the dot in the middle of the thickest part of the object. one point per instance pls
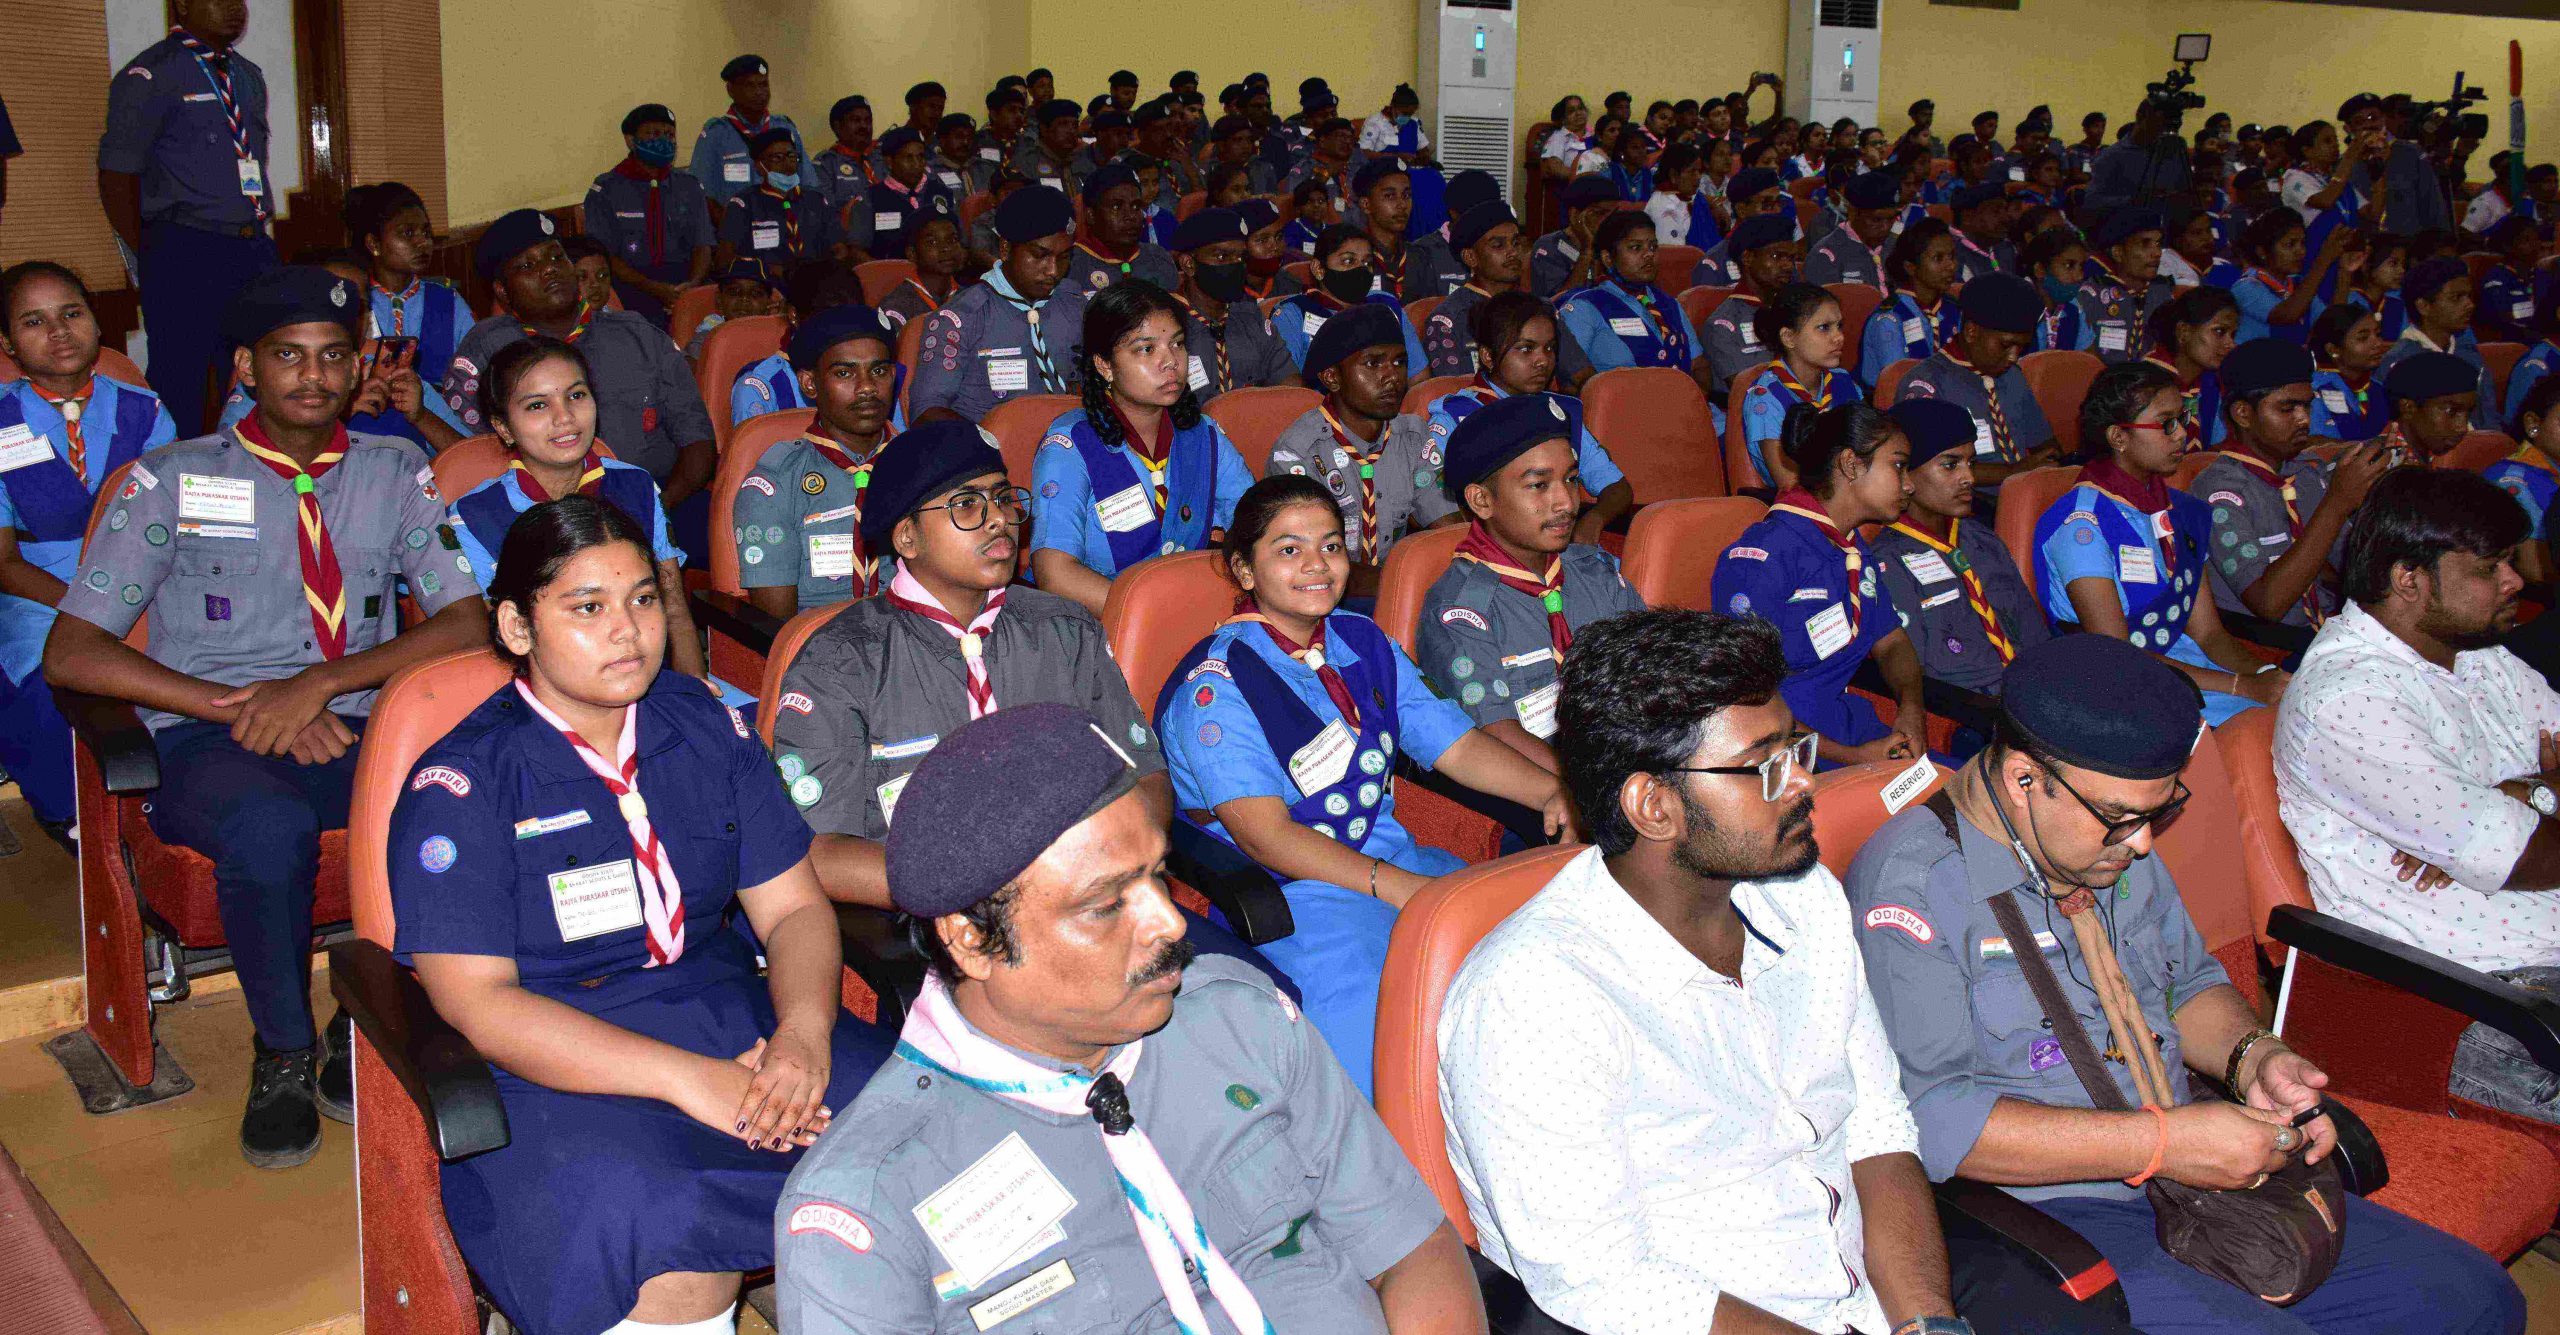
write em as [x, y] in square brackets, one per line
[880, 224]
[2511, 290]
[1520, 351]
[1137, 471]
[2532, 473]
[2124, 285]
[2056, 259]
[1344, 277]
[724, 158]
[1050, 159]
[182, 170]
[2440, 314]
[1917, 317]
[1854, 251]
[1955, 587]
[1626, 318]
[563, 865]
[1283, 728]
[2188, 337]
[1496, 626]
[2279, 512]
[2280, 294]
[2377, 286]
[2123, 553]
[991, 343]
[1767, 252]
[1805, 569]
[418, 321]
[799, 514]
[2539, 362]
[1977, 370]
[2347, 398]
[267, 559]
[845, 171]
[63, 429]
[776, 221]
[654, 221]
[1982, 220]
[1800, 324]
[1125, 1089]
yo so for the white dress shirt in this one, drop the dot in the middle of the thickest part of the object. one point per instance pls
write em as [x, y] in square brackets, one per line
[2378, 750]
[1636, 1134]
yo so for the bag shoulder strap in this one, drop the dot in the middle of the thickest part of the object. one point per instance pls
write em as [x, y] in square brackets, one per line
[2067, 1029]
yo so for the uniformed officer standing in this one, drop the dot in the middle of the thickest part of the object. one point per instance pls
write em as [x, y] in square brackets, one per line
[1377, 460]
[1035, 1025]
[266, 559]
[2279, 511]
[1050, 160]
[1964, 604]
[182, 172]
[851, 165]
[723, 154]
[778, 222]
[2124, 286]
[799, 514]
[1495, 628]
[989, 343]
[1854, 251]
[1113, 244]
[653, 219]
[1977, 370]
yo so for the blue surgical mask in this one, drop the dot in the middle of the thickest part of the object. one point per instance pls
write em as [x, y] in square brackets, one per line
[783, 181]
[2056, 290]
[654, 152]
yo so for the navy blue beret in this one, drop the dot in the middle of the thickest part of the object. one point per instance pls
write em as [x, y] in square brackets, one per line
[957, 120]
[740, 67]
[290, 295]
[1975, 196]
[2127, 222]
[2098, 703]
[1469, 188]
[1122, 79]
[917, 465]
[2001, 301]
[1109, 175]
[1499, 432]
[1588, 189]
[1257, 213]
[1366, 325]
[1763, 229]
[2431, 375]
[1313, 85]
[1208, 227]
[1873, 190]
[510, 235]
[2429, 276]
[1933, 426]
[1469, 227]
[1148, 113]
[896, 139]
[1374, 171]
[1060, 108]
[747, 269]
[919, 92]
[967, 822]
[647, 113]
[758, 143]
[1110, 120]
[1033, 212]
[1756, 181]
[853, 102]
[836, 324]
[2263, 364]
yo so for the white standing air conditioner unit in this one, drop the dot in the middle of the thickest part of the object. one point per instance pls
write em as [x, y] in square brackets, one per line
[1469, 69]
[1833, 50]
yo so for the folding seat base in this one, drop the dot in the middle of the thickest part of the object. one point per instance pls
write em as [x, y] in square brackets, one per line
[102, 1087]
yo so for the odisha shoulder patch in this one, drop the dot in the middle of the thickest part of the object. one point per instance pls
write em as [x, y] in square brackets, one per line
[1459, 616]
[1902, 920]
[835, 1221]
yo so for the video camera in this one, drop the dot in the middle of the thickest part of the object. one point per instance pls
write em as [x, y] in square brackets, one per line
[2170, 95]
[2471, 125]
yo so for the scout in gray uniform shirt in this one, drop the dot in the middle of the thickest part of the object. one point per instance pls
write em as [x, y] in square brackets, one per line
[1490, 638]
[1114, 244]
[720, 158]
[653, 220]
[1977, 371]
[2117, 301]
[1557, 261]
[1966, 607]
[989, 343]
[1241, 348]
[798, 513]
[1765, 248]
[847, 169]
[1050, 160]
[2271, 497]
[1068, 1062]
[1393, 485]
[1432, 265]
[1854, 251]
[1488, 238]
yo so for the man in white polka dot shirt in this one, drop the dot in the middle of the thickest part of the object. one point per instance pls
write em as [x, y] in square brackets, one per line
[2416, 761]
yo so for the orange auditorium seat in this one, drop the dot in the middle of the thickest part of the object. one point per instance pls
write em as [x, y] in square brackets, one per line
[1857, 302]
[1673, 546]
[1654, 422]
[733, 347]
[1414, 564]
[2023, 500]
[879, 278]
[1419, 395]
[692, 306]
[1253, 417]
[2060, 380]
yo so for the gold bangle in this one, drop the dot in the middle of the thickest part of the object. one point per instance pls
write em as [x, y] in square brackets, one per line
[1373, 878]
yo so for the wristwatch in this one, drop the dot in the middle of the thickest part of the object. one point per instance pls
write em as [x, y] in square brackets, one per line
[1935, 1325]
[2542, 799]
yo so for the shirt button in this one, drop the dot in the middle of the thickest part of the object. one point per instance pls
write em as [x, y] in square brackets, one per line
[924, 1082]
[573, 859]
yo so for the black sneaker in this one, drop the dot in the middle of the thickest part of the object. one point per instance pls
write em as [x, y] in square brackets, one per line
[335, 1087]
[281, 1128]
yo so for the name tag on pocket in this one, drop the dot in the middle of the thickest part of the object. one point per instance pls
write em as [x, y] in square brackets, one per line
[596, 901]
[1915, 330]
[220, 500]
[1126, 510]
[830, 556]
[950, 180]
[1199, 375]
[2137, 565]
[1829, 630]
[1537, 710]
[889, 793]
[1625, 326]
[1983, 443]
[21, 447]
[1927, 567]
[2335, 400]
[887, 220]
[1320, 764]
[1940, 600]
[1008, 375]
[990, 155]
[2113, 338]
[736, 173]
[1313, 323]
[1006, 1208]
[765, 236]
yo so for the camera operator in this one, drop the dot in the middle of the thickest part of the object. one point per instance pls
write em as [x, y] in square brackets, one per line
[2397, 173]
[2147, 166]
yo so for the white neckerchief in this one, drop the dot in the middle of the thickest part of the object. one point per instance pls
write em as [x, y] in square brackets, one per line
[661, 898]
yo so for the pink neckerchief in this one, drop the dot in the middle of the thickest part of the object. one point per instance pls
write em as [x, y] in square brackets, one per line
[909, 595]
[661, 898]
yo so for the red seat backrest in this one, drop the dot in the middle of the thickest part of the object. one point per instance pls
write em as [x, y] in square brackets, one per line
[1849, 805]
[1857, 302]
[1157, 610]
[1676, 267]
[1417, 312]
[733, 347]
[691, 307]
[1018, 424]
[2478, 450]
[747, 446]
[1889, 381]
[2060, 380]
[777, 660]
[2185, 474]
[2501, 359]
[879, 278]
[474, 460]
[418, 706]
[1189, 204]
[1419, 395]
[1673, 547]
[1738, 472]
[2023, 500]
[1699, 301]
[1253, 417]
[972, 207]
[2197, 849]
[1414, 564]
[2270, 864]
[1654, 422]
[910, 342]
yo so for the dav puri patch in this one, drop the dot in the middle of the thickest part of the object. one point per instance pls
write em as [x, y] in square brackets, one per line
[446, 777]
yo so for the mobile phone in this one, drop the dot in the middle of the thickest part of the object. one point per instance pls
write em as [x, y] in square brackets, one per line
[2307, 1116]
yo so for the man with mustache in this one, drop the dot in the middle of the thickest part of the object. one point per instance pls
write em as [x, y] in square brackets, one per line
[1082, 1122]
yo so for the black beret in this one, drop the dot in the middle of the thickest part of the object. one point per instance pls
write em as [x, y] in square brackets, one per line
[1257, 213]
[740, 67]
[1208, 227]
[1975, 196]
[1499, 432]
[850, 102]
[510, 235]
[2431, 375]
[968, 824]
[897, 139]
[1470, 226]
[1110, 120]
[1756, 181]
[747, 269]
[836, 324]
[647, 113]
[1059, 108]
[1468, 189]
[917, 465]
[1873, 190]
[2096, 702]
[2001, 301]
[2264, 364]
[1933, 426]
[1762, 229]
[1374, 171]
[924, 90]
[1366, 325]
[289, 295]
[1324, 101]
[2429, 276]
[1227, 125]
[1121, 78]
[957, 120]
[758, 143]
[1312, 85]
[1033, 212]
[1109, 175]
[2126, 223]
[1007, 95]
[1588, 189]
[1148, 113]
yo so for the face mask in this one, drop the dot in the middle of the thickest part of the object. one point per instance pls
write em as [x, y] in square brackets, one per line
[2057, 291]
[654, 152]
[783, 181]
[1348, 284]
[1223, 281]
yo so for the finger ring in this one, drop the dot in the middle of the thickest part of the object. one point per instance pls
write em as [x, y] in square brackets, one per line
[2256, 1182]
[2286, 1138]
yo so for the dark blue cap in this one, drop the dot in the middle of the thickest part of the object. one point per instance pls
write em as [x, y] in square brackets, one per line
[2431, 375]
[1469, 227]
[740, 67]
[747, 269]
[1374, 171]
[1933, 426]
[1208, 227]
[1109, 175]
[2001, 301]
[1257, 213]
[647, 113]
[896, 139]
[1761, 229]
[1873, 190]
[759, 142]
[1366, 325]
[1033, 212]
[1588, 189]
[1756, 181]
[836, 324]
[1148, 113]
[2429, 276]
[851, 102]
[968, 824]
[2127, 222]
[290, 295]
[1975, 196]
[1469, 188]
[1060, 108]
[1499, 432]
[2263, 364]
[917, 465]
[2096, 702]
[1110, 120]
[510, 235]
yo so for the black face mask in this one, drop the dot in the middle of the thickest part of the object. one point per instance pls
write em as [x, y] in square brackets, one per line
[1223, 281]
[1348, 284]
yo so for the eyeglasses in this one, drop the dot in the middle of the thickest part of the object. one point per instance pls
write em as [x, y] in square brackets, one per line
[969, 508]
[2120, 830]
[1774, 772]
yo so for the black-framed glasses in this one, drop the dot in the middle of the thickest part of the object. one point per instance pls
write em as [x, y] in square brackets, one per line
[2120, 830]
[1774, 772]
[969, 508]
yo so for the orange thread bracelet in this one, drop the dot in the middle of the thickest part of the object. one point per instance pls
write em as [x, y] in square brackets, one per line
[2159, 1150]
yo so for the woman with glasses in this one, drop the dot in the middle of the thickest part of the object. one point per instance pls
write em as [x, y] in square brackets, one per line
[1282, 729]
[2123, 553]
[1806, 569]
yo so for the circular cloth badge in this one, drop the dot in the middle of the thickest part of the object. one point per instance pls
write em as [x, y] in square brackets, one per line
[437, 855]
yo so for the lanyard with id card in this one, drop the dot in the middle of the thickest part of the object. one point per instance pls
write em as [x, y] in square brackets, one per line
[21, 447]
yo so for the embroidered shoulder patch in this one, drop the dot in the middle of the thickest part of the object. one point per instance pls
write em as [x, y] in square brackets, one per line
[2231, 498]
[1209, 666]
[835, 1221]
[1747, 553]
[1459, 616]
[762, 484]
[1903, 920]
[798, 703]
[446, 777]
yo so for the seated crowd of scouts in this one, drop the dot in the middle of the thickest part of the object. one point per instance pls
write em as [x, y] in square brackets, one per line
[1696, 1082]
